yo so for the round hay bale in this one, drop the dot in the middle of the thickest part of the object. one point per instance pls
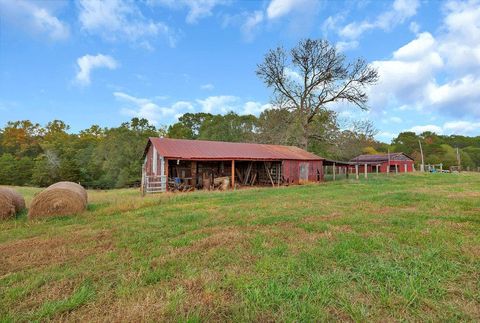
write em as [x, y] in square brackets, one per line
[71, 186]
[18, 200]
[7, 207]
[62, 198]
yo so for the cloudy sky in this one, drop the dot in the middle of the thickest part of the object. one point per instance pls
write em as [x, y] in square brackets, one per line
[104, 62]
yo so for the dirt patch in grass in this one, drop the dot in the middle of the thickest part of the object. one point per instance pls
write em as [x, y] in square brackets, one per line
[463, 194]
[328, 217]
[144, 306]
[205, 301]
[38, 252]
[51, 291]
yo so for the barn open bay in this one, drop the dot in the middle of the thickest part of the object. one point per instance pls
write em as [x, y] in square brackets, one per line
[400, 247]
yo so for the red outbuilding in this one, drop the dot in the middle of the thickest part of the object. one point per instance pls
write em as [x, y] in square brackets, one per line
[383, 163]
[179, 164]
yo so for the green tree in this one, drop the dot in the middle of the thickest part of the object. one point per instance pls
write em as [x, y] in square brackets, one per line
[7, 169]
[188, 125]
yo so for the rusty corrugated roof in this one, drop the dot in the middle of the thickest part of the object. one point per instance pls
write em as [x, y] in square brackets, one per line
[378, 158]
[219, 150]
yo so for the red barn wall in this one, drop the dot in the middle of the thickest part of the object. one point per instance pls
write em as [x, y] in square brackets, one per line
[291, 170]
[149, 163]
[383, 167]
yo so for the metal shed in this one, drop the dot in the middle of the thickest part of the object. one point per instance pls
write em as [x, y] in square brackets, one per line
[172, 163]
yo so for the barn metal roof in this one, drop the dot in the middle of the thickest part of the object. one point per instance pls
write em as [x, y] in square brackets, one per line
[219, 150]
[379, 158]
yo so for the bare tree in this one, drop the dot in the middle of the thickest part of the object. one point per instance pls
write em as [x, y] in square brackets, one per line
[312, 76]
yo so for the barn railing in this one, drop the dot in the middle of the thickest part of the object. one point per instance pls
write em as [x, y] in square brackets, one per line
[155, 184]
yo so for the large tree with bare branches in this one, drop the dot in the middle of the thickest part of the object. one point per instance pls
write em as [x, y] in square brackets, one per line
[310, 77]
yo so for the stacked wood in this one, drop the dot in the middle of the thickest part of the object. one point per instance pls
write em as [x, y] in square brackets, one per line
[221, 183]
[180, 187]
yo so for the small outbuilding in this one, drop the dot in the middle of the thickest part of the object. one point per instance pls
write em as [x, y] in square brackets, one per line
[183, 165]
[384, 163]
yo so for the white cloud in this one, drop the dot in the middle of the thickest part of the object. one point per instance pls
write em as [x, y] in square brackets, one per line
[255, 108]
[461, 42]
[183, 106]
[423, 45]
[33, 17]
[405, 76]
[414, 27]
[219, 104]
[430, 127]
[89, 62]
[401, 10]
[116, 19]
[251, 22]
[462, 94]
[331, 23]
[148, 109]
[458, 127]
[145, 108]
[197, 9]
[436, 75]
[280, 8]
[343, 46]
[207, 87]
[462, 127]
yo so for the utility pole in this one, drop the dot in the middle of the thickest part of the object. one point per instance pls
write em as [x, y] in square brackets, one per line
[422, 167]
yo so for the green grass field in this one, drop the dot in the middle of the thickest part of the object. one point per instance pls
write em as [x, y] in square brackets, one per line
[405, 247]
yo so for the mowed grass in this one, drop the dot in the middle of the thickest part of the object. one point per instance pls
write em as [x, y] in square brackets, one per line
[395, 248]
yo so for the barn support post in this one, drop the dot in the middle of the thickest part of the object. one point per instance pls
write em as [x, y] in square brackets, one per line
[346, 172]
[376, 166]
[396, 168]
[193, 168]
[405, 167]
[356, 172]
[441, 167]
[366, 170]
[233, 174]
[333, 171]
[166, 174]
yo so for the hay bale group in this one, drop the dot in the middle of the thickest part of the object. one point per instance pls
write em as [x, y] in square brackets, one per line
[62, 198]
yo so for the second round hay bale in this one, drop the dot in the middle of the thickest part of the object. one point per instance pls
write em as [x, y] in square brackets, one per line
[7, 207]
[62, 198]
[17, 199]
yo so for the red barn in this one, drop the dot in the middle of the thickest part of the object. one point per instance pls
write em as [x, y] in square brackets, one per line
[172, 163]
[393, 162]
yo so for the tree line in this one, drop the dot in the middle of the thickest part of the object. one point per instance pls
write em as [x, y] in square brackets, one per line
[31, 154]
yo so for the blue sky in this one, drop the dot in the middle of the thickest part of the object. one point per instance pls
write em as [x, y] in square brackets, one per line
[103, 62]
